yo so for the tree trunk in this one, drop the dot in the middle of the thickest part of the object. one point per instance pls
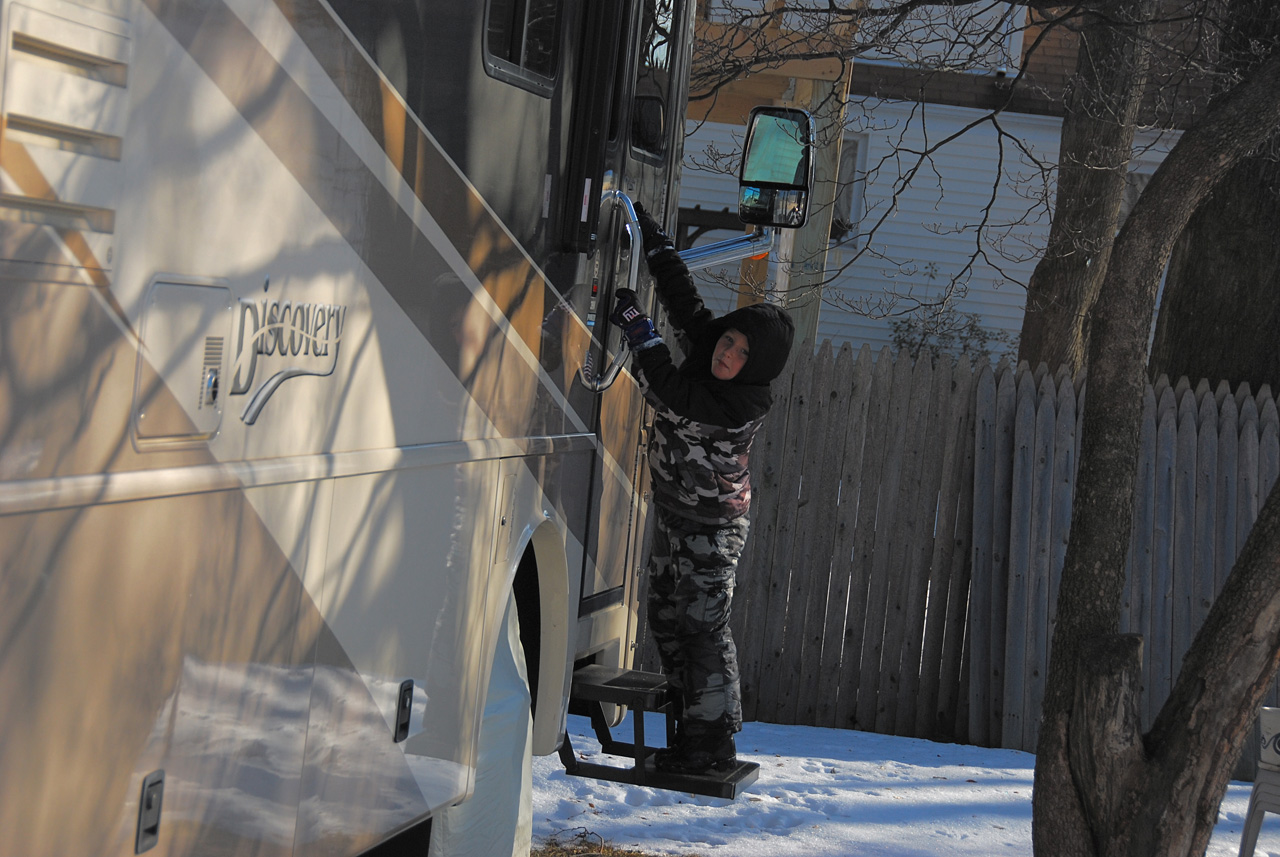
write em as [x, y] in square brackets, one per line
[1097, 142]
[1221, 299]
[1221, 305]
[1093, 576]
[1106, 737]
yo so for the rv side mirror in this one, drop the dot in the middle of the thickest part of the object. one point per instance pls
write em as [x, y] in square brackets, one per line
[777, 168]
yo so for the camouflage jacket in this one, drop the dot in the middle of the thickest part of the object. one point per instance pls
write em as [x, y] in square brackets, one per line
[703, 427]
[699, 470]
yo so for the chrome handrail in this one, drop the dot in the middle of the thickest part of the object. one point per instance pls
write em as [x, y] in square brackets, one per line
[586, 377]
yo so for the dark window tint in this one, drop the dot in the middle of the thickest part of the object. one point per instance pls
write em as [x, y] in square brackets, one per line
[649, 113]
[522, 39]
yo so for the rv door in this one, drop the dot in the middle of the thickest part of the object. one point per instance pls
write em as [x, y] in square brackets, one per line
[625, 151]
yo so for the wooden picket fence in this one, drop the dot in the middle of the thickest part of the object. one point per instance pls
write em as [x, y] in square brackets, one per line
[910, 524]
[1207, 459]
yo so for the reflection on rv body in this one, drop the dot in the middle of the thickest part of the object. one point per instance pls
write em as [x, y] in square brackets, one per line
[247, 721]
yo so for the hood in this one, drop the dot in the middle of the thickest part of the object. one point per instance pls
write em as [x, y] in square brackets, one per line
[769, 331]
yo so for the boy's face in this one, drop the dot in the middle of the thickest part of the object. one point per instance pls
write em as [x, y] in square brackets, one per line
[730, 355]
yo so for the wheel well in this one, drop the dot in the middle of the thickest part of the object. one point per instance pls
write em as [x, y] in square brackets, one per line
[529, 610]
[541, 590]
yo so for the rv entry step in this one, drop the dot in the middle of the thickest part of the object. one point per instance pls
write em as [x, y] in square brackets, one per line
[640, 691]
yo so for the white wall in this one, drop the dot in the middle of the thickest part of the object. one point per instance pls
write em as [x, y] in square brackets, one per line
[927, 236]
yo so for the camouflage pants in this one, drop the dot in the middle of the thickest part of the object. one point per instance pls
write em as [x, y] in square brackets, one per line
[691, 579]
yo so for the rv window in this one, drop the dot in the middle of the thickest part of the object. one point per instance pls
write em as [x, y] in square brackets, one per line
[522, 42]
[649, 130]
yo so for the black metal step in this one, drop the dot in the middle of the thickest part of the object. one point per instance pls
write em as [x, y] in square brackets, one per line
[641, 692]
[722, 784]
[635, 689]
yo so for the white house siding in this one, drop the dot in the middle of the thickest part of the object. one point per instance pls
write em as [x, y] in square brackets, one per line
[714, 191]
[923, 234]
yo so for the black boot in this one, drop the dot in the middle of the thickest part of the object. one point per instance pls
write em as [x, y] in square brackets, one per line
[698, 753]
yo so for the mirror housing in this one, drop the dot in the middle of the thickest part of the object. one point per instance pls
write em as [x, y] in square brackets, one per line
[776, 178]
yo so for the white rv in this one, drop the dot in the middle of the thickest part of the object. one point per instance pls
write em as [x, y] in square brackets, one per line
[295, 302]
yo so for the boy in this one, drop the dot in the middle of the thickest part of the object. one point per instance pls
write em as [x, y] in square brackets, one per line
[707, 412]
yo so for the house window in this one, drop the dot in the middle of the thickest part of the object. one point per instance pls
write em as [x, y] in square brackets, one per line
[522, 42]
[851, 182]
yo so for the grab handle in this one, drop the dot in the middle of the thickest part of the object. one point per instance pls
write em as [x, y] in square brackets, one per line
[631, 226]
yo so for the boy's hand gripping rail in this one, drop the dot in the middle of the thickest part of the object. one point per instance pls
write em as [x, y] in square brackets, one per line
[759, 243]
[631, 225]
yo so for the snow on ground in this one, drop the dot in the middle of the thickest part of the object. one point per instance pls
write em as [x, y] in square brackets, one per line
[829, 793]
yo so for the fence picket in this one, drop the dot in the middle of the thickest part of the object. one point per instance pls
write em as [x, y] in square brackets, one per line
[1203, 582]
[903, 526]
[1184, 528]
[1221, 393]
[930, 440]
[1006, 413]
[821, 543]
[985, 454]
[810, 576]
[1268, 471]
[953, 700]
[1022, 504]
[773, 630]
[1268, 467]
[841, 464]
[751, 598]
[882, 569]
[851, 612]
[1248, 501]
[953, 420]
[852, 675]
[1228, 475]
[1040, 558]
[1268, 446]
[1162, 554]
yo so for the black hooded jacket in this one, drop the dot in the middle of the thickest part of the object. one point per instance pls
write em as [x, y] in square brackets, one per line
[703, 426]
